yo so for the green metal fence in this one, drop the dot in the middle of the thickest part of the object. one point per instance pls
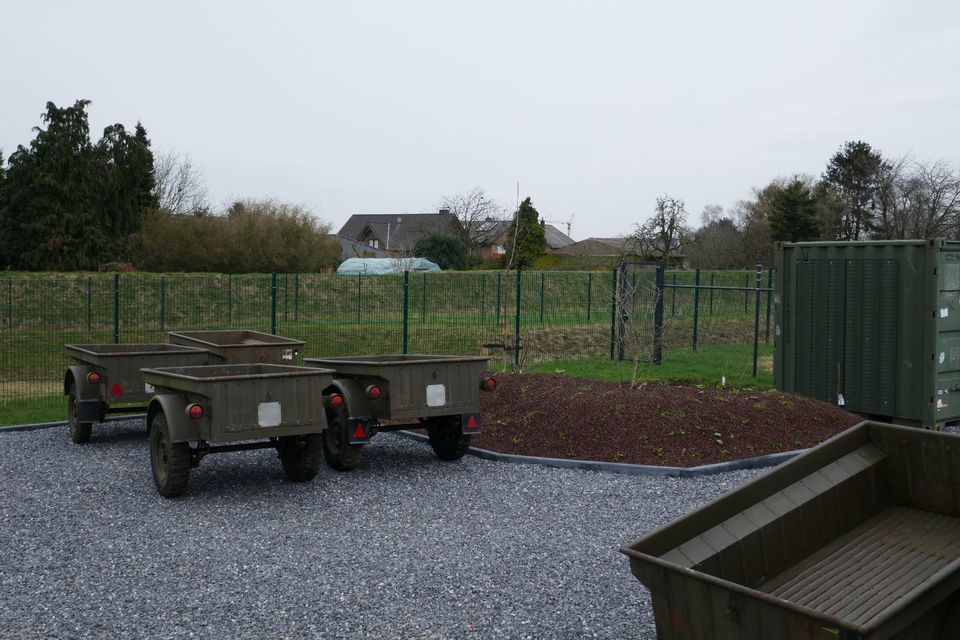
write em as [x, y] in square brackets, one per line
[550, 315]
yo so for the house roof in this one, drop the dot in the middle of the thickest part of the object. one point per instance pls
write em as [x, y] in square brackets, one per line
[350, 248]
[597, 247]
[495, 233]
[398, 230]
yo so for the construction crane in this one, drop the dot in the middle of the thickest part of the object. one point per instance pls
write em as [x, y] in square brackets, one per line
[568, 223]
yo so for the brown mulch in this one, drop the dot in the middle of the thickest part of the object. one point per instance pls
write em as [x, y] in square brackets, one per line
[559, 416]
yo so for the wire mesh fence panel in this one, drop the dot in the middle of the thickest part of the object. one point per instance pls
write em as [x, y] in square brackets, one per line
[706, 319]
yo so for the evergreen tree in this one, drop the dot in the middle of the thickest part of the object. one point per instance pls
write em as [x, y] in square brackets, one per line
[125, 165]
[793, 213]
[51, 197]
[526, 239]
[448, 252]
[854, 175]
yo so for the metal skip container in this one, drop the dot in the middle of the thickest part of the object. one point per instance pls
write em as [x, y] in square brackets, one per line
[858, 538]
[871, 326]
[242, 346]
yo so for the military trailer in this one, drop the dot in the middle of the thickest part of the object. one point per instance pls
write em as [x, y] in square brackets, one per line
[104, 376]
[370, 394]
[858, 538]
[242, 346]
[221, 408]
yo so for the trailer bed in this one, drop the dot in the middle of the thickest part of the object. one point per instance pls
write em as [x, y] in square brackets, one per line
[863, 573]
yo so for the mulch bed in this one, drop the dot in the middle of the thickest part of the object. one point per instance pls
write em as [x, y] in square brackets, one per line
[559, 416]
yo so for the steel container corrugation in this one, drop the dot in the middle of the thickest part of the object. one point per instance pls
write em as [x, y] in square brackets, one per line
[872, 326]
[406, 379]
[858, 538]
[241, 346]
[233, 396]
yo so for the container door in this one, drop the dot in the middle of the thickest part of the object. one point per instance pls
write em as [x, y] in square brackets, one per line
[947, 401]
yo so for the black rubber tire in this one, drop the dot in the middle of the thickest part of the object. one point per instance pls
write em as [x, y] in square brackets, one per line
[446, 438]
[339, 456]
[301, 462]
[79, 431]
[170, 461]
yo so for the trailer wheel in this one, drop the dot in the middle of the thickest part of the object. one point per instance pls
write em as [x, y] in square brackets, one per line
[339, 455]
[446, 438]
[79, 431]
[170, 460]
[301, 461]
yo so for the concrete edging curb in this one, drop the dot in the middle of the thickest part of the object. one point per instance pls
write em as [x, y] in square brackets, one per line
[622, 468]
[758, 462]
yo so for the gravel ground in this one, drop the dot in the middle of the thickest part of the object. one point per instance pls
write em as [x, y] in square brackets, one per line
[406, 546]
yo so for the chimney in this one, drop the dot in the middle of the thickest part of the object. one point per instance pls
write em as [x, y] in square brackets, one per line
[444, 210]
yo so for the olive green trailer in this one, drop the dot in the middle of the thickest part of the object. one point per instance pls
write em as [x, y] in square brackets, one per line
[871, 326]
[439, 393]
[242, 346]
[104, 376]
[858, 538]
[220, 408]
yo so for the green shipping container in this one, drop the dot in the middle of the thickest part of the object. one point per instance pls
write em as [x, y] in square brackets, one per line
[871, 326]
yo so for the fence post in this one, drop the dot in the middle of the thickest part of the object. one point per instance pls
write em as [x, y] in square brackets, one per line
[589, 293]
[658, 316]
[499, 294]
[711, 292]
[163, 301]
[296, 297]
[406, 309]
[673, 297]
[89, 306]
[359, 275]
[230, 299]
[746, 293]
[516, 337]
[614, 298]
[423, 302]
[116, 308]
[756, 319]
[542, 276]
[10, 301]
[483, 301]
[696, 306]
[766, 337]
[273, 303]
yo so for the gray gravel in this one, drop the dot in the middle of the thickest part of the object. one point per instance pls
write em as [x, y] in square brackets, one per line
[406, 546]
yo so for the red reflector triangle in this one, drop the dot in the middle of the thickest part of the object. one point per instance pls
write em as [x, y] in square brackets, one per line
[359, 433]
[116, 390]
[472, 424]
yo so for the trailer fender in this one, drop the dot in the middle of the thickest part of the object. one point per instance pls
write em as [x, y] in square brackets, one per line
[358, 404]
[77, 374]
[174, 408]
[89, 405]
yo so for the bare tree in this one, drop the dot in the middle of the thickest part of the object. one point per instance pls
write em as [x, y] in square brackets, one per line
[476, 212]
[179, 185]
[660, 236]
[919, 200]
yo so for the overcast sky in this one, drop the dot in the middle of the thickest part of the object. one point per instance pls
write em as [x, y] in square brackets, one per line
[595, 108]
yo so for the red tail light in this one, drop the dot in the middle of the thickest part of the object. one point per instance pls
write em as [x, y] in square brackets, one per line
[195, 411]
[93, 377]
[359, 433]
[488, 384]
[472, 423]
[335, 401]
[374, 392]
[116, 390]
